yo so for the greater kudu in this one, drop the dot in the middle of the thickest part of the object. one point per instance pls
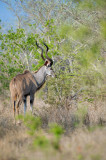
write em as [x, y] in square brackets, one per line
[26, 84]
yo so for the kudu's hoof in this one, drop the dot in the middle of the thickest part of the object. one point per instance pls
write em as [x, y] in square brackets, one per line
[18, 123]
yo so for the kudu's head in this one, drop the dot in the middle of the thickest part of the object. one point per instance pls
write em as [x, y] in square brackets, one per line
[48, 61]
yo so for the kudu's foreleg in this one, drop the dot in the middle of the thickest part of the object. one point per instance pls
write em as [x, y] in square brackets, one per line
[31, 102]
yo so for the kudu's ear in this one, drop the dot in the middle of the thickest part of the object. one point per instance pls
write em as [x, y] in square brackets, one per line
[47, 63]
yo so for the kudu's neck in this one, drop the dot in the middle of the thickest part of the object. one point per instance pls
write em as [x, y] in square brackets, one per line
[40, 76]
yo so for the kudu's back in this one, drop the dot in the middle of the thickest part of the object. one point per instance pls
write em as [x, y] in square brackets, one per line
[22, 85]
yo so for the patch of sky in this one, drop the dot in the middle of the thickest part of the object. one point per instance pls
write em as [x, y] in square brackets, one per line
[7, 17]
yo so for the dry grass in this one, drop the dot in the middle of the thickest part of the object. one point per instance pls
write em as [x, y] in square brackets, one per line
[78, 143]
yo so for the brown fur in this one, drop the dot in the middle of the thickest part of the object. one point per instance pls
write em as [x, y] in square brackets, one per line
[22, 83]
[21, 86]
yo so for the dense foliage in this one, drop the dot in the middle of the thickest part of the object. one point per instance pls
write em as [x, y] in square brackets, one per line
[77, 46]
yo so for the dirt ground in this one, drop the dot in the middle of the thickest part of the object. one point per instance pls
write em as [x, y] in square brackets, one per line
[77, 144]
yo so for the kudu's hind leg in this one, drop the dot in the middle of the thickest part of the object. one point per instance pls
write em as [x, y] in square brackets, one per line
[17, 107]
[14, 109]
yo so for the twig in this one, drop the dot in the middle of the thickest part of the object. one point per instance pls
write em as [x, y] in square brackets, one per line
[77, 93]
